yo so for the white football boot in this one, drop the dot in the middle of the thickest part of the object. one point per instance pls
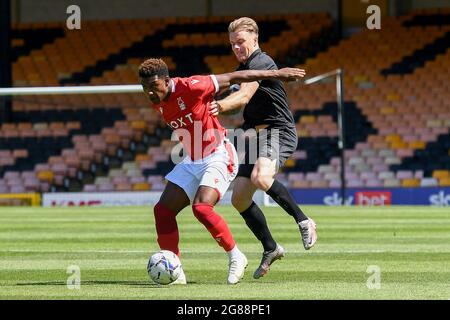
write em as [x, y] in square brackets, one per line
[236, 268]
[181, 278]
[308, 231]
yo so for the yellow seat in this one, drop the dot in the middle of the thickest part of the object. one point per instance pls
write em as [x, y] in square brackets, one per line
[142, 157]
[441, 174]
[302, 132]
[387, 110]
[393, 97]
[444, 182]
[417, 145]
[308, 119]
[143, 186]
[46, 175]
[410, 183]
[399, 145]
[138, 125]
[112, 139]
[390, 138]
[290, 163]
[359, 78]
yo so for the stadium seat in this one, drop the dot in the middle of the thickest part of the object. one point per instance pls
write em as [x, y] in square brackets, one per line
[397, 129]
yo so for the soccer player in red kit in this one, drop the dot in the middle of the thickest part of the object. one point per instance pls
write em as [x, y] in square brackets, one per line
[204, 175]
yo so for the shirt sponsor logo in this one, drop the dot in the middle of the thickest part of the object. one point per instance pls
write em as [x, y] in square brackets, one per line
[181, 121]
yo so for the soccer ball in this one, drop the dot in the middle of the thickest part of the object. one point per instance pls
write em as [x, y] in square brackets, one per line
[164, 267]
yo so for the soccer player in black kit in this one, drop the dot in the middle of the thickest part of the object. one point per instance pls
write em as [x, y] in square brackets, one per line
[267, 113]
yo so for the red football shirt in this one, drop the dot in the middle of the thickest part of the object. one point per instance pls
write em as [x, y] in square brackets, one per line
[187, 112]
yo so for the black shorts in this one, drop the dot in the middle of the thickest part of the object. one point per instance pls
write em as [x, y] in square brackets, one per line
[275, 143]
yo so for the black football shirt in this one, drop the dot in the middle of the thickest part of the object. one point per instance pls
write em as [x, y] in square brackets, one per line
[269, 103]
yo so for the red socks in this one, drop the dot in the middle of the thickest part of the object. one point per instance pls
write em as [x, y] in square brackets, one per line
[167, 229]
[215, 224]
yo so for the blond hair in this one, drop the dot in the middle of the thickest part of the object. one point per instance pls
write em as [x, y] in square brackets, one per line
[243, 24]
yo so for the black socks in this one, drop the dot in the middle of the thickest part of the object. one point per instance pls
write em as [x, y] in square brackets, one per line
[280, 194]
[255, 220]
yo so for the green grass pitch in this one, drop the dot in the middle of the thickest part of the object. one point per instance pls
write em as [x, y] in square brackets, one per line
[410, 246]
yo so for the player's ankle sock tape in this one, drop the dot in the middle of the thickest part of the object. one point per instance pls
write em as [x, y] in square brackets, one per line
[166, 228]
[215, 224]
[255, 220]
[280, 194]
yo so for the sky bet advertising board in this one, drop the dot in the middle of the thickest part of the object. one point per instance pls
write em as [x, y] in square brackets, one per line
[375, 197]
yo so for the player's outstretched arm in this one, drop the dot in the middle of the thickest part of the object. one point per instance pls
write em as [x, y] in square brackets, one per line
[286, 74]
[235, 101]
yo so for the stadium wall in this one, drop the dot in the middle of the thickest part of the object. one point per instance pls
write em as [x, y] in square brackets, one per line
[255, 7]
[364, 197]
[422, 4]
[109, 199]
[375, 197]
[55, 10]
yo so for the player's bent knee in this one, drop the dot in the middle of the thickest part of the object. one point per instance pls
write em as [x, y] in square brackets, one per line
[162, 212]
[205, 214]
[261, 181]
[207, 195]
[240, 202]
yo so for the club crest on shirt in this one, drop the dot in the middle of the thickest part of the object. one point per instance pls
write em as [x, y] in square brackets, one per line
[181, 103]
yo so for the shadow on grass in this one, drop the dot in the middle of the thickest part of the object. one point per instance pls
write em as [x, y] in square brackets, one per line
[134, 284]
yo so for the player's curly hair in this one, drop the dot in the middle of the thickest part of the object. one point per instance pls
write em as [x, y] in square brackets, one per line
[153, 67]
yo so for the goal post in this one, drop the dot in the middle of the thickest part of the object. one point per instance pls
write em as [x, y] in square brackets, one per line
[339, 75]
[20, 199]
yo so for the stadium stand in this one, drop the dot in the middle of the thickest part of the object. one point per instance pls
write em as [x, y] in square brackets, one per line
[403, 103]
[396, 105]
